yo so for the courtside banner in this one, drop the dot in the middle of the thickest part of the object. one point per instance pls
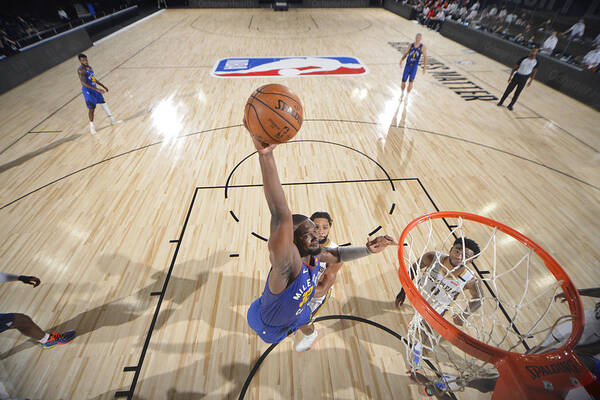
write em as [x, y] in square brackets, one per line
[245, 67]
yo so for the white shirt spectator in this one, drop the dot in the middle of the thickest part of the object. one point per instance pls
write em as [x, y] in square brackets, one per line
[62, 14]
[440, 15]
[475, 6]
[510, 18]
[493, 11]
[577, 29]
[597, 40]
[549, 44]
[462, 11]
[502, 13]
[472, 15]
[592, 58]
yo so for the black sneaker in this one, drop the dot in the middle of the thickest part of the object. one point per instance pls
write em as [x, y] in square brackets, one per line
[499, 104]
[509, 107]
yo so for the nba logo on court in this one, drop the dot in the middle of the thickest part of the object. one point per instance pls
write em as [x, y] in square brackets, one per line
[288, 66]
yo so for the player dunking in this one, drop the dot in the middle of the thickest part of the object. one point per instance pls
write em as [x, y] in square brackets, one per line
[413, 53]
[294, 253]
[92, 94]
[325, 280]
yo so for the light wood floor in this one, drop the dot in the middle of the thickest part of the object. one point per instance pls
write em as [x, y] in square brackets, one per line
[94, 216]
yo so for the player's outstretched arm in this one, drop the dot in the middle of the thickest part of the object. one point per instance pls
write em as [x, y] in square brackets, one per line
[283, 254]
[345, 254]
[30, 280]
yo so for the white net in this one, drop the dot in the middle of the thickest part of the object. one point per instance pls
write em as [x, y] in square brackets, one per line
[502, 295]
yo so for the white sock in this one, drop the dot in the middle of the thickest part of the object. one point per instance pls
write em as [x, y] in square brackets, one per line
[91, 124]
[107, 111]
[45, 338]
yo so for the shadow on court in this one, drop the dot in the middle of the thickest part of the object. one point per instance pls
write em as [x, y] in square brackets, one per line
[35, 153]
[315, 358]
[126, 309]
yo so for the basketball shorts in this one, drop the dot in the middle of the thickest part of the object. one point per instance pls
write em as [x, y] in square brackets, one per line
[92, 97]
[6, 320]
[273, 334]
[410, 72]
[316, 304]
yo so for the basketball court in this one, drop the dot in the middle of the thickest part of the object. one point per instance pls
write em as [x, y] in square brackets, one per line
[149, 237]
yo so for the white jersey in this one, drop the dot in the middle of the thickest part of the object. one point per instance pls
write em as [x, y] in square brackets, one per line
[322, 265]
[438, 286]
[315, 302]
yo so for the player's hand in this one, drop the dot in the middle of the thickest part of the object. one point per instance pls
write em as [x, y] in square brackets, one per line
[423, 69]
[30, 280]
[560, 296]
[528, 83]
[261, 147]
[379, 243]
[509, 78]
[457, 320]
[105, 88]
[100, 90]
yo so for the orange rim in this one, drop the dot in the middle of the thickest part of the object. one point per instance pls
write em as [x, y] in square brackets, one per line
[467, 343]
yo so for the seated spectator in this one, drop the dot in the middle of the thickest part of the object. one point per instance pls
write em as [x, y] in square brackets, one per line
[549, 44]
[62, 14]
[502, 13]
[592, 59]
[493, 11]
[522, 20]
[429, 16]
[475, 7]
[510, 18]
[452, 7]
[461, 12]
[436, 21]
[546, 26]
[7, 46]
[471, 17]
[525, 37]
[576, 31]
[596, 41]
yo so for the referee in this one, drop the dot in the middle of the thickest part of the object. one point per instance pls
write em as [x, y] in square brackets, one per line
[526, 67]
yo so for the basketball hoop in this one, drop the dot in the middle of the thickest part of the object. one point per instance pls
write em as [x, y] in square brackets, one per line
[549, 375]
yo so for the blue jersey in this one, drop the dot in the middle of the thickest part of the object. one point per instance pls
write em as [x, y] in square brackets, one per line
[275, 316]
[414, 54]
[90, 79]
[90, 96]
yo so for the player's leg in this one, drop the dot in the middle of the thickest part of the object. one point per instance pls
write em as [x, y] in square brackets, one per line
[412, 76]
[309, 331]
[405, 75]
[511, 85]
[91, 116]
[520, 85]
[24, 324]
[109, 114]
[27, 327]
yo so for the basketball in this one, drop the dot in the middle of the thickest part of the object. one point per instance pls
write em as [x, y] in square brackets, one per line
[273, 114]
